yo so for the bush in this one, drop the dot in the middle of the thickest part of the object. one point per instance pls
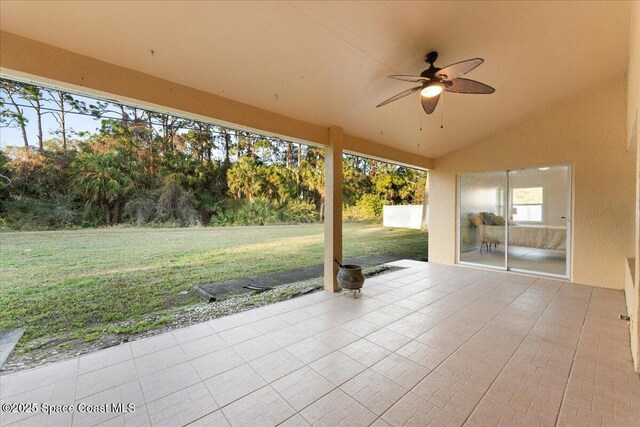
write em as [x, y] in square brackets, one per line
[175, 204]
[260, 212]
[29, 213]
[141, 209]
[242, 212]
[257, 213]
[367, 208]
[299, 212]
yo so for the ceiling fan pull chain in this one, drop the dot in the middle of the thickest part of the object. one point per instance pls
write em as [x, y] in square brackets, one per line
[442, 112]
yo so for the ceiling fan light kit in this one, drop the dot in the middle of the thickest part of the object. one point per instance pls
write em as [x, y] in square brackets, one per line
[433, 81]
[431, 90]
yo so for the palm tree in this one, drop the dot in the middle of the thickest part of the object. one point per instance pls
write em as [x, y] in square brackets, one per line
[104, 179]
[245, 177]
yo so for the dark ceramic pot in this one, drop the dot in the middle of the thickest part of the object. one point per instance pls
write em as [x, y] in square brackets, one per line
[350, 278]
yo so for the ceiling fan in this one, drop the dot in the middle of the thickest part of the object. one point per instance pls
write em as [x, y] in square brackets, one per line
[434, 80]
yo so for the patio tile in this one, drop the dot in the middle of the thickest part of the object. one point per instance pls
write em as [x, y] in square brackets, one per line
[35, 378]
[103, 358]
[182, 407]
[456, 399]
[423, 354]
[269, 324]
[360, 327]
[337, 337]
[263, 407]
[275, 365]
[193, 332]
[296, 316]
[128, 393]
[302, 387]
[217, 362]
[388, 339]
[241, 333]
[380, 423]
[379, 318]
[102, 379]
[337, 367]
[412, 410]
[60, 393]
[255, 347]
[159, 360]
[365, 352]
[338, 409]
[168, 381]
[287, 336]
[317, 324]
[226, 322]
[374, 391]
[320, 308]
[214, 419]
[394, 310]
[469, 371]
[411, 305]
[401, 371]
[283, 306]
[255, 314]
[42, 419]
[137, 418]
[294, 421]
[152, 344]
[408, 328]
[309, 349]
[234, 384]
[201, 346]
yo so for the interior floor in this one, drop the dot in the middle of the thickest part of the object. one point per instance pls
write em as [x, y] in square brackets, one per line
[549, 261]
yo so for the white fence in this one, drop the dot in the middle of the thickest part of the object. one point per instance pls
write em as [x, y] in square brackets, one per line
[404, 216]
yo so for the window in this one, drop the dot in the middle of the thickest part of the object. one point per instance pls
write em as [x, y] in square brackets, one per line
[527, 204]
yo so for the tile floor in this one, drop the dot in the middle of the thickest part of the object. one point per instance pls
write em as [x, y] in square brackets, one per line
[426, 345]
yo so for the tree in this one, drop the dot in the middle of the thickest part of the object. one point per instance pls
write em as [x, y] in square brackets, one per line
[33, 95]
[12, 116]
[65, 104]
[104, 179]
[245, 178]
[312, 174]
[160, 167]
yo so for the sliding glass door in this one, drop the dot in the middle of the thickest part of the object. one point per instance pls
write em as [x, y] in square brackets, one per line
[517, 220]
[482, 232]
[539, 220]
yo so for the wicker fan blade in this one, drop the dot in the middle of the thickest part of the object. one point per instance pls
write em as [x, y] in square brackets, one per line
[415, 79]
[459, 68]
[429, 104]
[461, 85]
[400, 95]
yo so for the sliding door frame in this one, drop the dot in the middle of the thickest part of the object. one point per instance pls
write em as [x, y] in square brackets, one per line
[507, 203]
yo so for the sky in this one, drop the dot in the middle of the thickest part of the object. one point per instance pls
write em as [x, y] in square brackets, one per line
[13, 136]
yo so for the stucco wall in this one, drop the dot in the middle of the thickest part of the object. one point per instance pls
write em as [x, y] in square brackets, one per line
[632, 289]
[589, 133]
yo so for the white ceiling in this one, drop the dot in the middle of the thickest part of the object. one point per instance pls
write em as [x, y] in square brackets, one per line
[327, 62]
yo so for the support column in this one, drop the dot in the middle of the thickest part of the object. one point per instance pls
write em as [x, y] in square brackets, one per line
[332, 207]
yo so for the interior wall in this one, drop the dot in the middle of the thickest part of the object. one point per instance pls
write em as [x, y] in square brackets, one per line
[587, 132]
[554, 197]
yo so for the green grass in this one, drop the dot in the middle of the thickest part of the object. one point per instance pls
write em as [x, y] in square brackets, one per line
[78, 284]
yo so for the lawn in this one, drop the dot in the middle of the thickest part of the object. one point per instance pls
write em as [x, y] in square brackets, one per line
[80, 284]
